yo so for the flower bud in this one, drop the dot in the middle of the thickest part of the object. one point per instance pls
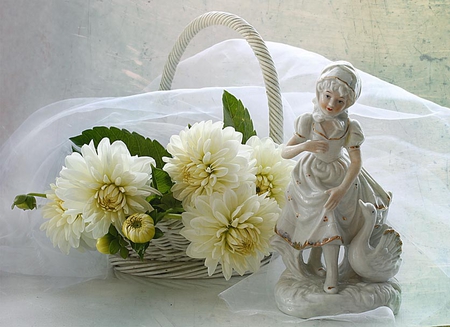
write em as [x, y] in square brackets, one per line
[24, 202]
[139, 228]
[103, 244]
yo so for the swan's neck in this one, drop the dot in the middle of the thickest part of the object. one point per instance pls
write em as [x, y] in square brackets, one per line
[365, 232]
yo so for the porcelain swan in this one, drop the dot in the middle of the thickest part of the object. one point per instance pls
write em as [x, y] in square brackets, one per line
[374, 252]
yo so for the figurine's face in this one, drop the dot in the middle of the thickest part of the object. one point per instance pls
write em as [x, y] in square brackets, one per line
[331, 102]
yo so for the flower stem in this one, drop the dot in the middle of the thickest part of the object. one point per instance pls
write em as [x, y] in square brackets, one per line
[172, 216]
[42, 195]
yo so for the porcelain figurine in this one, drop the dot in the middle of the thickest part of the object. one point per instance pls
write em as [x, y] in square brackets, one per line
[340, 254]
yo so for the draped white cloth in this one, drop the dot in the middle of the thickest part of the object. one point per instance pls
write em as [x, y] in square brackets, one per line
[406, 150]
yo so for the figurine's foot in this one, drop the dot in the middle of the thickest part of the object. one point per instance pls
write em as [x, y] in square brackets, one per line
[331, 253]
[331, 284]
[330, 289]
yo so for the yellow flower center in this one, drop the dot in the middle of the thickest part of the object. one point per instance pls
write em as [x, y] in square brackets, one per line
[242, 241]
[58, 205]
[135, 222]
[264, 181]
[111, 197]
[199, 175]
[187, 174]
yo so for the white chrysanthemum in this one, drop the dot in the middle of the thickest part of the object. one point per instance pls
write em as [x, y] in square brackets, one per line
[231, 228]
[105, 185]
[64, 230]
[273, 171]
[207, 158]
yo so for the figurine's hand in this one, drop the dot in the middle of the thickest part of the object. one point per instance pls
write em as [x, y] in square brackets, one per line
[336, 195]
[316, 146]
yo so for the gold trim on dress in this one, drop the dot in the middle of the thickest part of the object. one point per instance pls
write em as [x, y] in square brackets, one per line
[298, 246]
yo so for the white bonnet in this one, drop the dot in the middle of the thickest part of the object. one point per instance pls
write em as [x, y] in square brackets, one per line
[344, 72]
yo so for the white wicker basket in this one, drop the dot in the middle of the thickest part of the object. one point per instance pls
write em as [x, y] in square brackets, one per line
[166, 257]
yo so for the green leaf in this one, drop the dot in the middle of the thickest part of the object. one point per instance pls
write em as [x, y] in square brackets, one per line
[113, 230]
[136, 143]
[161, 180]
[169, 203]
[153, 198]
[124, 252]
[140, 248]
[158, 233]
[122, 241]
[24, 202]
[157, 216]
[114, 246]
[237, 116]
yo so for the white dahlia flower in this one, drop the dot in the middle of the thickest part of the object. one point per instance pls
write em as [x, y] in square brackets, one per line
[64, 230]
[105, 185]
[231, 228]
[207, 158]
[273, 171]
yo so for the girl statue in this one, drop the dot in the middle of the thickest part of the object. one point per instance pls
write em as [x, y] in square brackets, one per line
[323, 210]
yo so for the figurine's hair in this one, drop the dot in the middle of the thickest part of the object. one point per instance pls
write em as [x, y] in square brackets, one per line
[335, 85]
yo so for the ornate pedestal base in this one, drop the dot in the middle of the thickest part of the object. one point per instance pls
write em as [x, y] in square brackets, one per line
[305, 298]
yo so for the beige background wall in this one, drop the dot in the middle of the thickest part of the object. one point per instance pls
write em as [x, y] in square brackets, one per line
[55, 49]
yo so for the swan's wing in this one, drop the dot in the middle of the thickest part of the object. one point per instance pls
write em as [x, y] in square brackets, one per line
[377, 232]
[391, 240]
[387, 252]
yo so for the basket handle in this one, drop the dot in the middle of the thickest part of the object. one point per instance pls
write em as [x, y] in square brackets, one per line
[259, 48]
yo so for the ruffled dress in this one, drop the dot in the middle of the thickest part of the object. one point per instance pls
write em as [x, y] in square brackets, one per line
[304, 221]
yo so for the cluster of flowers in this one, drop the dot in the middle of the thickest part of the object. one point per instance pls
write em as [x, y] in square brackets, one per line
[231, 193]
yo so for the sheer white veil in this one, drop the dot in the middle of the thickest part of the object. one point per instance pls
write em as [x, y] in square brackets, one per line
[406, 151]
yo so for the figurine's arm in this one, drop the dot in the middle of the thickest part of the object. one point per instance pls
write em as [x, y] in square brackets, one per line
[298, 144]
[337, 193]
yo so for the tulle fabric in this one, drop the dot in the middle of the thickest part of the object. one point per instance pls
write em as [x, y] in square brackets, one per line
[406, 151]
